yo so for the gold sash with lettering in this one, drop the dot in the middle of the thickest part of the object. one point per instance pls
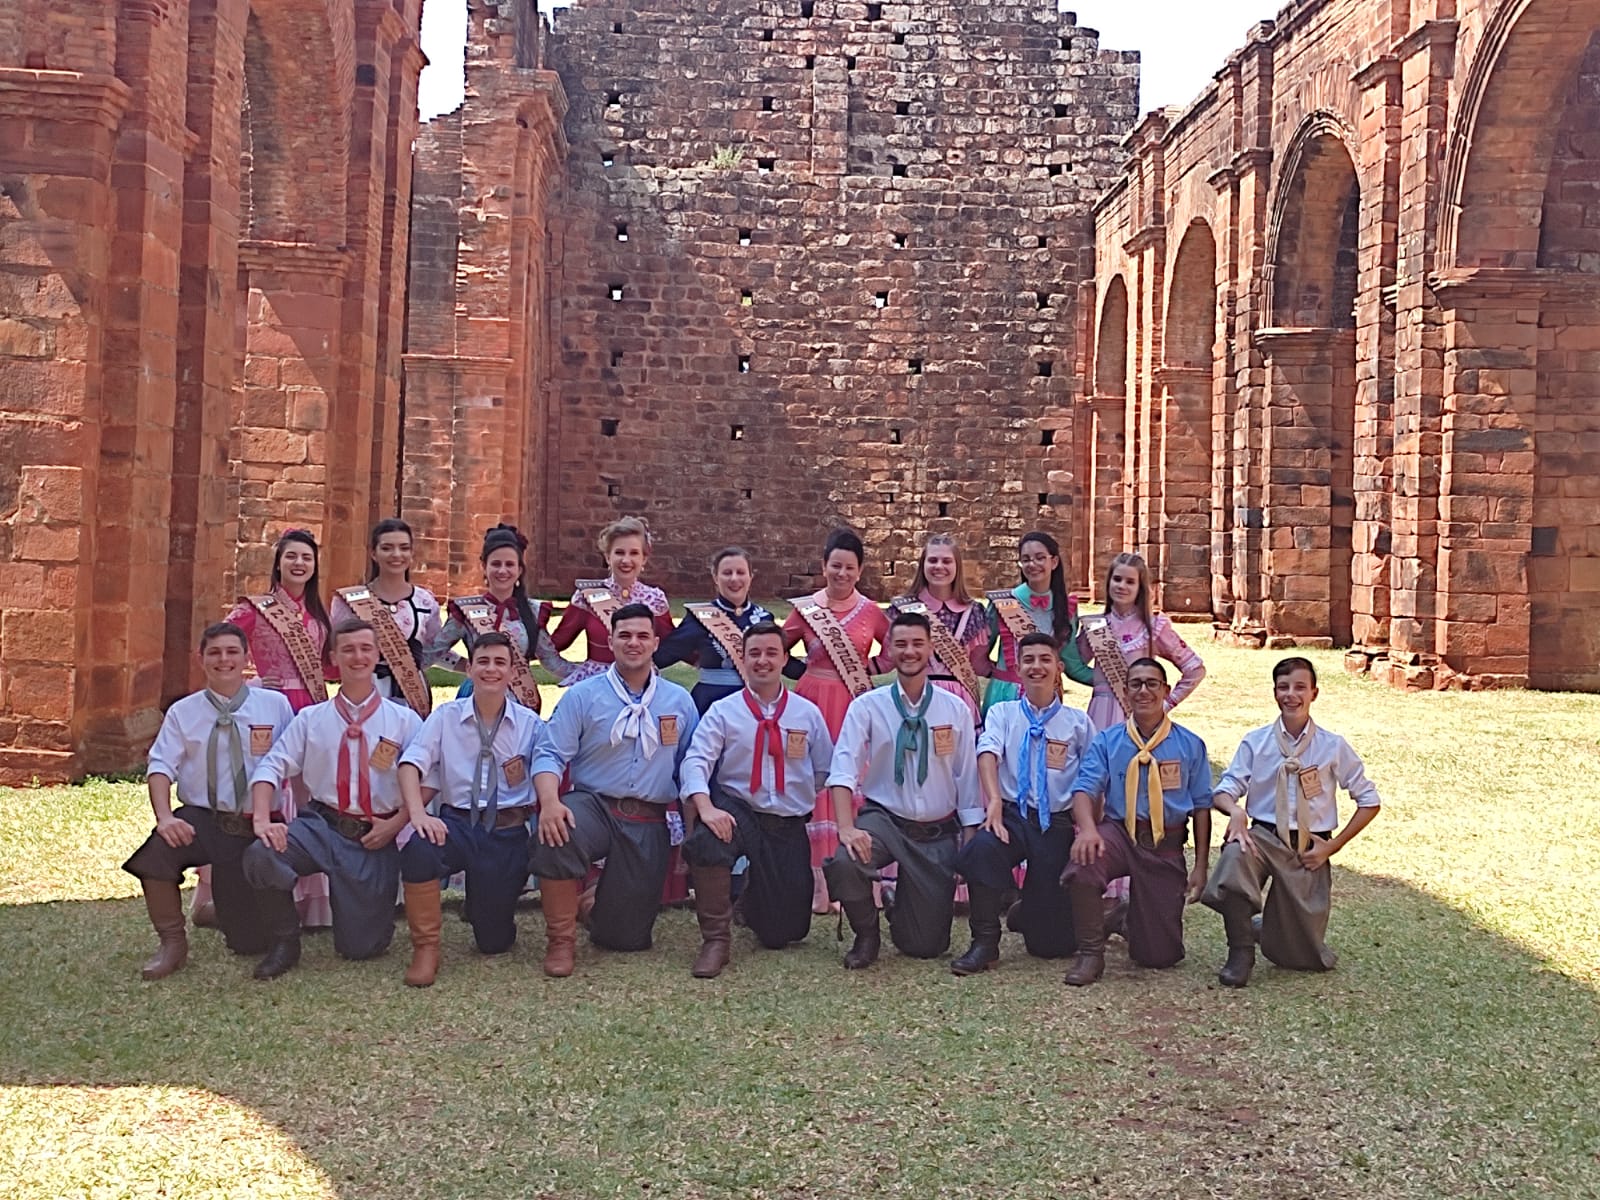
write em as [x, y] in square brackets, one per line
[392, 644]
[1016, 617]
[836, 644]
[722, 627]
[285, 622]
[477, 614]
[945, 646]
[1108, 656]
[602, 601]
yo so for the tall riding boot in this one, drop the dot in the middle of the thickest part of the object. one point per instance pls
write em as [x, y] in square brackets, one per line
[560, 900]
[426, 922]
[1236, 923]
[983, 918]
[863, 918]
[165, 905]
[282, 922]
[713, 907]
[1089, 923]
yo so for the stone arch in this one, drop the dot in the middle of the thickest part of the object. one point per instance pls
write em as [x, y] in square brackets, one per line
[1110, 469]
[1308, 342]
[1111, 346]
[1187, 380]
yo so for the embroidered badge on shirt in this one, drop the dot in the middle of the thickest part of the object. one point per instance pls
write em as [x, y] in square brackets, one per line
[795, 743]
[516, 771]
[1055, 755]
[1171, 775]
[944, 740]
[384, 755]
[1311, 783]
[669, 731]
[260, 740]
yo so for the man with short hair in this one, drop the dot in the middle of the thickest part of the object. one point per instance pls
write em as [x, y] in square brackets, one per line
[908, 747]
[751, 774]
[1287, 774]
[476, 755]
[1151, 775]
[1028, 756]
[210, 741]
[619, 737]
[345, 751]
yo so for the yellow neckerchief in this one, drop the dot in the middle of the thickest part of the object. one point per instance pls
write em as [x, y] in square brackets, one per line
[1130, 785]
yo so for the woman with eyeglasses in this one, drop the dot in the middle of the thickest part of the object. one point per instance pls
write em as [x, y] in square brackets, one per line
[1041, 597]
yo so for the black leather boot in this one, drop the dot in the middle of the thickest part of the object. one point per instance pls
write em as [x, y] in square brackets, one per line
[983, 918]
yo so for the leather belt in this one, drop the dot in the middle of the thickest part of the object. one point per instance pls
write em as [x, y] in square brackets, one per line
[504, 818]
[920, 831]
[238, 824]
[1146, 838]
[636, 810]
[353, 827]
[1289, 840]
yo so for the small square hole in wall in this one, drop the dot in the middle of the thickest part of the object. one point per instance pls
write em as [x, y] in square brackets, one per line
[616, 291]
[900, 39]
[749, 493]
[1044, 240]
[901, 240]
[622, 233]
[1045, 369]
[898, 170]
[944, 508]
[616, 358]
[1053, 170]
[1044, 499]
[744, 364]
[747, 298]
[766, 35]
[765, 165]
[766, 104]
[811, 61]
[608, 426]
[880, 300]
[807, 8]
[1066, 43]
[607, 159]
[1042, 300]
[914, 366]
[744, 237]
[736, 433]
[1060, 110]
[1546, 538]
[613, 99]
[874, 12]
[1047, 437]
[902, 108]
[616, 27]
[849, 62]
[894, 437]
[613, 489]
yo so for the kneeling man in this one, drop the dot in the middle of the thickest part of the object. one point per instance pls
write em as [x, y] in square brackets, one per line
[1151, 775]
[751, 774]
[345, 751]
[1287, 775]
[476, 755]
[908, 747]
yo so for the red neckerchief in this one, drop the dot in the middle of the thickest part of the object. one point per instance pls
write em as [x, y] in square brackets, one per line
[355, 719]
[769, 740]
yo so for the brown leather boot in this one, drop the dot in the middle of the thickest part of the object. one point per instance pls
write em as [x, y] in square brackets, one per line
[1089, 923]
[165, 905]
[560, 900]
[426, 923]
[713, 907]
[863, 918]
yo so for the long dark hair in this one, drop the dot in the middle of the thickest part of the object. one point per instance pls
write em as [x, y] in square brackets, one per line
[1061, 611]
[387, 525]
[509, 537]
[313, 597]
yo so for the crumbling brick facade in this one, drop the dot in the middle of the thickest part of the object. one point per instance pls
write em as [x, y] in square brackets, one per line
[1347, 318]
[202, 237]
[811, 263]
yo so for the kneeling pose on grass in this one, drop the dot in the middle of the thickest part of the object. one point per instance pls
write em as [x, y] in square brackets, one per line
[1151, 775]
[475, 754]
[751, 774]
[345, 751]
[1287, 774]
[618, 736]
[908, 747]
[1028, 756]
[209, 744]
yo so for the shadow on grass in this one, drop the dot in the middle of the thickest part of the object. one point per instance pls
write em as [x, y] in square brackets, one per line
[1440, 1059]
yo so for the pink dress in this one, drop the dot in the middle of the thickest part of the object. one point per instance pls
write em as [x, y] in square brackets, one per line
[275, 669]
[865, 624]
[1135, 640]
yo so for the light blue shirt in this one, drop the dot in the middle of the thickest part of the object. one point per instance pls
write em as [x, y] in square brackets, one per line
[1105, 767]
[580, 740]
[445, 750]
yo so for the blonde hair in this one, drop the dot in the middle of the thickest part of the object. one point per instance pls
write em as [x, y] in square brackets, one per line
[919, 581]
[624, 527]
[1142, 600]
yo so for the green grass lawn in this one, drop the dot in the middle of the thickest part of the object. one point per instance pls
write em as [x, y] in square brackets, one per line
[1454, 1053]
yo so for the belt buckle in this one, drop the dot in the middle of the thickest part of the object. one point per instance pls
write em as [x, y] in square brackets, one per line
[235, 825]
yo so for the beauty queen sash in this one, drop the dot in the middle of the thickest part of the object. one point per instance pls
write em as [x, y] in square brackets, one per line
[477, 614]
[393, 645]
[722, 627]
[285, 622]
[1108, 656]
[836, 644]
[946, 647]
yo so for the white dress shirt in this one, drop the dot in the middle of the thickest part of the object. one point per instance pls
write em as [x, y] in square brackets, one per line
[179, 751]
[1006, 727]
[446, 750]
[1253, 774]
[863, 757]
[311, 746]
[724, 747]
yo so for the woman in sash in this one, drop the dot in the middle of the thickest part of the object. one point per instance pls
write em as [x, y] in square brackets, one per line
[842, 616]
[287, 629]
[939, 588]
[625, 546]
[1127, 631]
[1040, 603]
[412, 611]
[502, 607]
[713, 634]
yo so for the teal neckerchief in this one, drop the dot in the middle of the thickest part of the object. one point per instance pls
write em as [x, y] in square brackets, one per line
[913, 735]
